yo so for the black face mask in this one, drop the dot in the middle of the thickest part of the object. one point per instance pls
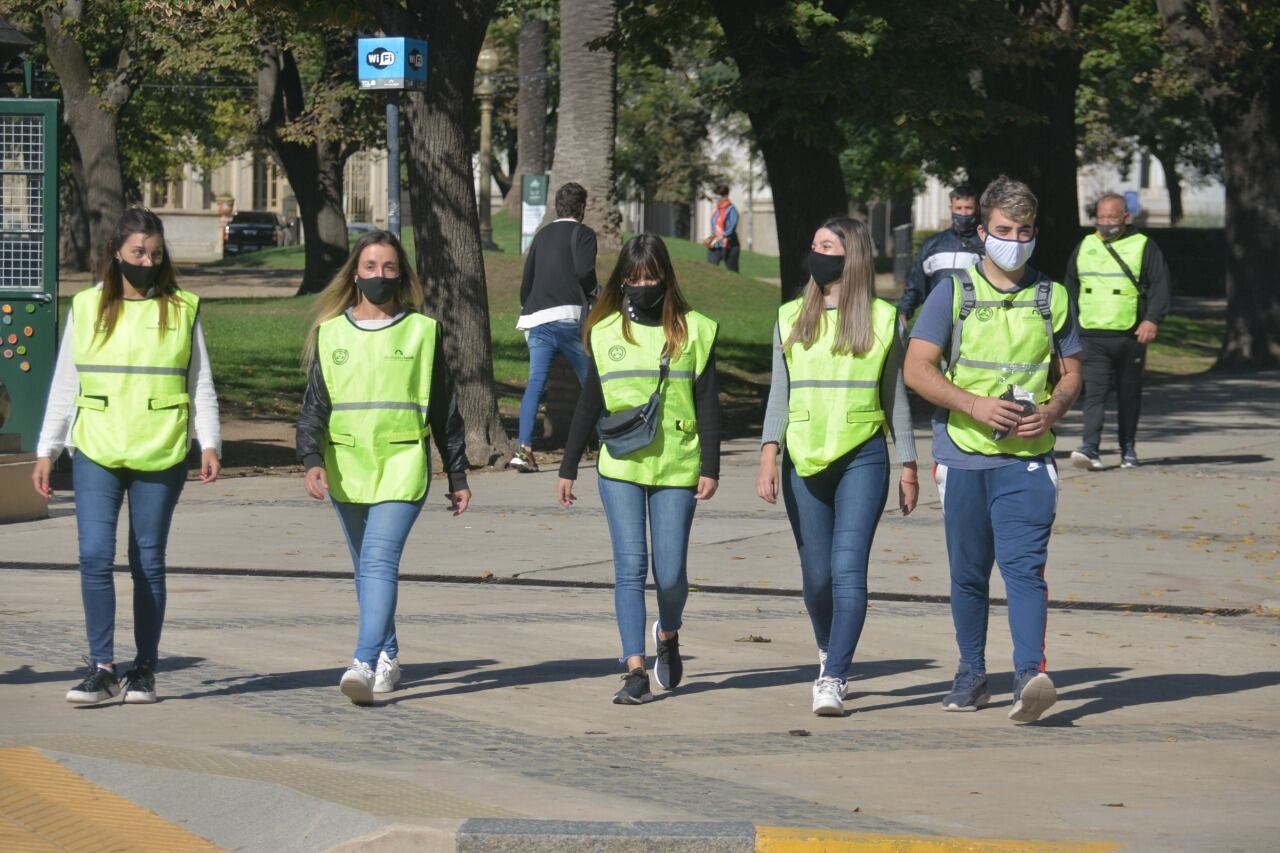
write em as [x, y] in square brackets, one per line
[825, 268]
[645, 298]
[142, 278]
[964, 223]
[378, 289]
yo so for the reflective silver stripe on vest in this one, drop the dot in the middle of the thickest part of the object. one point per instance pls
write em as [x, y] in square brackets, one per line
[121, 368]
[646, 374]
[1009, 368]
[378, 404]
[1002, 303]
[835, 383]
[1104, 275]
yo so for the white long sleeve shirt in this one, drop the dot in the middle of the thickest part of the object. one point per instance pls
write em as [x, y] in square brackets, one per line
[60, 411]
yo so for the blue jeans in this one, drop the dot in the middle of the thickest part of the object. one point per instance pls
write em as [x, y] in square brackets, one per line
[544, 342]
[834, 515]
[376, 534]
[1002, 515]
[152, 498]
[670, 515]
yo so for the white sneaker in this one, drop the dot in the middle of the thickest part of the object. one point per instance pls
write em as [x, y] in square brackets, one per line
[828, 697]
[357, 683]
[387, 677]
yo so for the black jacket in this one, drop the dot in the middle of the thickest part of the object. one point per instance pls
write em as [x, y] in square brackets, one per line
[446, 422]
[940, 256]
[559, 269]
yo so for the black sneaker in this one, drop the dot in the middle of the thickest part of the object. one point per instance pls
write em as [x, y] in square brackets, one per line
[668, 669]
[524, 461]
[635, 689]
[98, 686]
[139, 685]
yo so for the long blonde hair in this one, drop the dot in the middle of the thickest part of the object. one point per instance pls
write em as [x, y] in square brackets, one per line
[135, 220]
[854, 335]
[342, 292]
[643, 255]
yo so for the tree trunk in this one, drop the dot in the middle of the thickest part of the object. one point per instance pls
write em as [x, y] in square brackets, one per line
[446, 221]
[1240, 86]
[1043, 154]
[314, 170]
[1173, 185]
[808, 187]
[531, 111]
[588, 117]
[91, 115]
[75, 251]
[806, 180]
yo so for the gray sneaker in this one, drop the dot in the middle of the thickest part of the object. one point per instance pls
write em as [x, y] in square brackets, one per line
[1129, 458]
[968, 691]
[1033, 694]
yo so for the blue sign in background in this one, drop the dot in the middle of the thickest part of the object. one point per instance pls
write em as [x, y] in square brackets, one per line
[391, 62]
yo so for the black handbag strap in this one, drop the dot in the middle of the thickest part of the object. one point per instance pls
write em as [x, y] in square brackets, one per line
[1128, 272]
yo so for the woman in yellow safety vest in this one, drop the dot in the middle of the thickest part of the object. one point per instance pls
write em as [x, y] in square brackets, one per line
[132, 378]
[649, 350]
[377, 386]
[837, 387]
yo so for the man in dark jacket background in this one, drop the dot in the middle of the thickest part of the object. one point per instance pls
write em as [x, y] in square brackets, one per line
[559, 278]
[944, 253]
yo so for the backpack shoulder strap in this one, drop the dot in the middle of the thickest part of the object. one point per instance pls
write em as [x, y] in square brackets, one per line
[968, 301]
[1044, 304]
[1125, 267]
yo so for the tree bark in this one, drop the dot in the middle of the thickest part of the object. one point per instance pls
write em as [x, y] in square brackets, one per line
[1043, 153]
[531, 110]
[314, 170]
[588, 120]
[1173, 186]
[446, 221]
[91, 116]
[806, 180]
[1240, 87]
[75, 251]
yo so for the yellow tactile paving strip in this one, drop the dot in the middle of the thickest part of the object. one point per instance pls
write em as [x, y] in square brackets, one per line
[383, 796]
[44, 806]
[785, 839]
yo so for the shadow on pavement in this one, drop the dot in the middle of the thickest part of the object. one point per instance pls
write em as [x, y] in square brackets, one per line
[1000, 684]
[1151, 689]
[26, 675]
[309, 678]
[545, 672]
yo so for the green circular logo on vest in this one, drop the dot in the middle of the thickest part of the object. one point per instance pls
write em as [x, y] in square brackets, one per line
[617, 352]
[985, 314]
[340, 356]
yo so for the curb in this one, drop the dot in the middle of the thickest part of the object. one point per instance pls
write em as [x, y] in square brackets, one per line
[498, 835]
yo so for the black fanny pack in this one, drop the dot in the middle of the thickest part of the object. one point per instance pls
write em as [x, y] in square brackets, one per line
[635, 428]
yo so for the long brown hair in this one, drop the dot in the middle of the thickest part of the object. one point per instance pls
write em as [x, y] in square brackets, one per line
[644, 256]
[342, 293]
[135, 220]
[854, 335]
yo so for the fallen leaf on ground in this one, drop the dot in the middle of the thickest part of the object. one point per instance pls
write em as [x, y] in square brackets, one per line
[753, 638]
[799, 733]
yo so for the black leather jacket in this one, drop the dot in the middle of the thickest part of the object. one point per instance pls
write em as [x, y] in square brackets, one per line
[446, 422]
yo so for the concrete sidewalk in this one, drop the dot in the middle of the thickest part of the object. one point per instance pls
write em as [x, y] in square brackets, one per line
[1165, 735]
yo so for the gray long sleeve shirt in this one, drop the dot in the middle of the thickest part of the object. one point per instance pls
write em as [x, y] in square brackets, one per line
[893, 399]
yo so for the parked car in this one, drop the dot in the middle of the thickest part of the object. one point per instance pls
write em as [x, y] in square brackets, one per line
[251, 230]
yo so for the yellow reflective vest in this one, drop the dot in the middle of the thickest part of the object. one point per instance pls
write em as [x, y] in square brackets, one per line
[628, 376]
[379, 383]
[1001, 339]
[133, 405]
[834, 400]
[1108, 298]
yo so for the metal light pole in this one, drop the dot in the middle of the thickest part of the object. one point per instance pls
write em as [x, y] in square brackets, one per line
[486, 64]
[393, 162]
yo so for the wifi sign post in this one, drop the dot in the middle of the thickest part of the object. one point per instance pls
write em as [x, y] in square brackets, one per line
[392, 64]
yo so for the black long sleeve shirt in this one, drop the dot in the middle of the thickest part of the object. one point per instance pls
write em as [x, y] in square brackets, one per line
[1155, 292]
[706, 406]
[446, 423]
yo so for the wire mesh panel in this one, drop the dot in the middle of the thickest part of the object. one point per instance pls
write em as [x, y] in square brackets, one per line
[22, 202]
